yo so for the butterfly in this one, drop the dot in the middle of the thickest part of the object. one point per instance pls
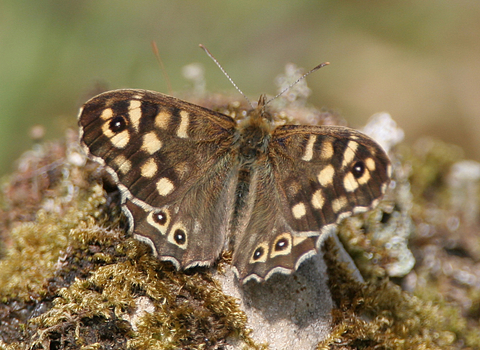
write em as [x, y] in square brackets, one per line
[195, 182]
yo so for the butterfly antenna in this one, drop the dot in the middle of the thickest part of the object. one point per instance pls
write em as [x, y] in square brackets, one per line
[298, 80]
[162, 67]
[226, 74]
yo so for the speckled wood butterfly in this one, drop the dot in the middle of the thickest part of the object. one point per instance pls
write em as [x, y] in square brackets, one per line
[195, 182]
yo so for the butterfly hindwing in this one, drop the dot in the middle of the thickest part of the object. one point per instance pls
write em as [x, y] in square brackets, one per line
[265, 243]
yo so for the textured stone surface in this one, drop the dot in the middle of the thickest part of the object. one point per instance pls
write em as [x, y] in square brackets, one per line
[288, 311]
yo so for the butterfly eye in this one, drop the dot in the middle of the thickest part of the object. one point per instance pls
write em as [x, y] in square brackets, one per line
[358, 169]
[160, 218]
[118, 124]
[258, 253]
[180, 237]
[281, 244]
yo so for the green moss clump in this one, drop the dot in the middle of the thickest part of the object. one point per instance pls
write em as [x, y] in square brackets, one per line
[35, 249]
[430, 161]
[377, 314]
[182, 310]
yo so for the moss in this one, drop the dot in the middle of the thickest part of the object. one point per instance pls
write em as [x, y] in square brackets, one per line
[187, 310]
[430, 161]
[36, 247]
[377, 314]
[70, 277]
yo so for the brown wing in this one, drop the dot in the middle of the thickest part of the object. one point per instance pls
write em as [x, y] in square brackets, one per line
[172, 164]
[313, 178]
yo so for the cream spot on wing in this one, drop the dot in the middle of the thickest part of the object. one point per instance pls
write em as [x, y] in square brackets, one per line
[370, 163]
[325, 177]
[123, 164]
[359, 210]
[135, 113]
[149, 168]
[389, 170]
[178, 236]
[160, 220]
[350, 183]
[365, 177]
[183, 127]
[107, 114]
[349, 153]
[384, 188]
[282, 245]
[260, 253]
[121, 139]
[338, 204]
[299, 210]
[163, 119]
[165, 186]
[318, 199]
[307, 156]
[327, 150]
[151, 143]
[298, 239]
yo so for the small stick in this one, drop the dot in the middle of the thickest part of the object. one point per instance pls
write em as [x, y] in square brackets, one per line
[162, 67]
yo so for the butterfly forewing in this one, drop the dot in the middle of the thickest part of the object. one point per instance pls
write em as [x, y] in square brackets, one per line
[172, 163]
[343, 172]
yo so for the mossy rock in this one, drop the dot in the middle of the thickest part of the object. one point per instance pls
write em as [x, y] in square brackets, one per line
[72, 278]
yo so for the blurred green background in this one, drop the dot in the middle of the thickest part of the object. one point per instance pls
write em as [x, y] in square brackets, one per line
[418, 60]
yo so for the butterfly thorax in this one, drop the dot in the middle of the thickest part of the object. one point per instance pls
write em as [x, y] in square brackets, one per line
[255, 132]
